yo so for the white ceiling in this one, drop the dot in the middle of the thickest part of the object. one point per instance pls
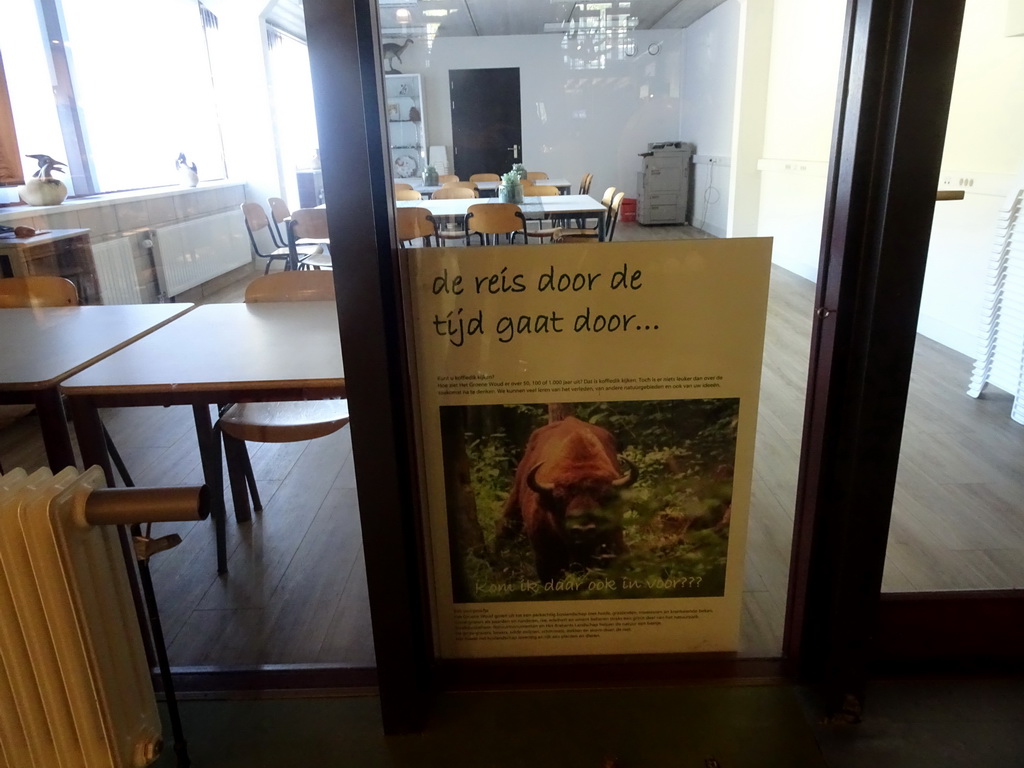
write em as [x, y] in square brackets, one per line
[479, 18]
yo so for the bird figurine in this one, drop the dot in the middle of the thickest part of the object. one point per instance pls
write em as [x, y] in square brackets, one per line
[42, 188]
[46, 166]
[188, 171]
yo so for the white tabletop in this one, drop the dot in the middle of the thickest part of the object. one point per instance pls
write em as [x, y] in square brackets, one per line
[41, 346]
[531, 206]
[218, 348]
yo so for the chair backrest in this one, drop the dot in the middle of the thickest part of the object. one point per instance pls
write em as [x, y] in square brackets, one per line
[495, 218]
[255, 217]
[585, 183]
[407, 194]
[414, 222]
[455, 193]
[446, 178]
[400, 185]
[542, 190]
[278, 209]
[37, 291]
[613, 215]
[485, 177]
[463, 184]
[609, 194]
[294, 285]
[255, 221]
[310, 222]
[279, 213]
[536, 175]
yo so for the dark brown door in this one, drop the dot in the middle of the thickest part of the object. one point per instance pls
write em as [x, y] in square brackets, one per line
[487, 133]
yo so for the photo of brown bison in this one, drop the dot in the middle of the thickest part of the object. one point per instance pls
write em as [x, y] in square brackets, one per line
[599, 500]
[560, 498]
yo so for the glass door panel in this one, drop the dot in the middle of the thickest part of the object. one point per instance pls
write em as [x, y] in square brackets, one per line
[958, 513]
[748, 89]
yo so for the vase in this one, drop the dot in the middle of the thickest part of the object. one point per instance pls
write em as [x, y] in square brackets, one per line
[513, 194]
[43, 192]
[430, 177]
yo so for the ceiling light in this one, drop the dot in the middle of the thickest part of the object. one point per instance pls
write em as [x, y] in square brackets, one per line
[403, 15]
[435, 12]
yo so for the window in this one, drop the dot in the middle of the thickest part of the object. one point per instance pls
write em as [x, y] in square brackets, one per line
[116, 87]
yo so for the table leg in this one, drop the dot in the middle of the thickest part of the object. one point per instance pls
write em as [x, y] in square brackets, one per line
[54, 424]
[213, 473]
[89, 430]
[602, 221]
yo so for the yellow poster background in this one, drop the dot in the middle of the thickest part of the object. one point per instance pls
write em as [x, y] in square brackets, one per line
[583, 324]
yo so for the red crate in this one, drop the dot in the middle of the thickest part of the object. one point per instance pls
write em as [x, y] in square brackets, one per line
[627, 210]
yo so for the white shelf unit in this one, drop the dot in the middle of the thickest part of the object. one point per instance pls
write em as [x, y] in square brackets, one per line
[406, 129]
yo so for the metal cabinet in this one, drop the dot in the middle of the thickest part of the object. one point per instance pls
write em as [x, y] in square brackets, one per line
[664, 183]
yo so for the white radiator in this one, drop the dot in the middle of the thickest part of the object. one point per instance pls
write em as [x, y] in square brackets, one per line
[115, 270]
[74, 684]
[192, 252]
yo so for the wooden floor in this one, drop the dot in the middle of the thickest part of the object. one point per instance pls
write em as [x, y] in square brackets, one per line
[296, 590]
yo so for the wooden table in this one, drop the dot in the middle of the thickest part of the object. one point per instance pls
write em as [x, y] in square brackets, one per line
[41, 347]
[216, 354]
[567, 206]
[490, 187]
[63, 252]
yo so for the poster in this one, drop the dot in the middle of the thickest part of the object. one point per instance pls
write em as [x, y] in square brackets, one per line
[587, 416]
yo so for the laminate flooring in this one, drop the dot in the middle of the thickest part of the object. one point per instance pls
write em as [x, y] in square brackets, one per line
[296, 590]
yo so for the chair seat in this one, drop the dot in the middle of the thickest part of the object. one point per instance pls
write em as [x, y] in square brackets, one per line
[304, 252]
[284, 422]
[574, 232]
[317, 261]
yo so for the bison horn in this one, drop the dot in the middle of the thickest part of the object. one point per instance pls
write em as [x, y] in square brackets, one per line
[535, 485]
[627, 479]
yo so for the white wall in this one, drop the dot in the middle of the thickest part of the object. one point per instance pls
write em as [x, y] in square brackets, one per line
[984, 146]
[574, 122]
[710, 50]
[802, 81]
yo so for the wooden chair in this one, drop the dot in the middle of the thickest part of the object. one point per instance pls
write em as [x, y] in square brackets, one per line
[585, 183]
[490, 219]
[581, 222]
[283, 422]
[256, 221]
[37, 291]
[591, 235]
[463, 184]
[485, 177]
[279, 213]
[401, 185]
[53, 291]
[414, 223]
[536, 175]
[453, 227]
[309, 226]
[447, 178]
[542, 232]
[407, 194]
[449, 192]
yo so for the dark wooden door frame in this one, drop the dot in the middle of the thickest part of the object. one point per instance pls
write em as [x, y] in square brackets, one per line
[897, 74]
[348, 85]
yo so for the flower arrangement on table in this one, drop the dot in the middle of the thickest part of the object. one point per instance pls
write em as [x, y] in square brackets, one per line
[511, 189]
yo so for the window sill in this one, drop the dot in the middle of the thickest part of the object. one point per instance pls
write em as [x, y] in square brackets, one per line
[16, 212]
